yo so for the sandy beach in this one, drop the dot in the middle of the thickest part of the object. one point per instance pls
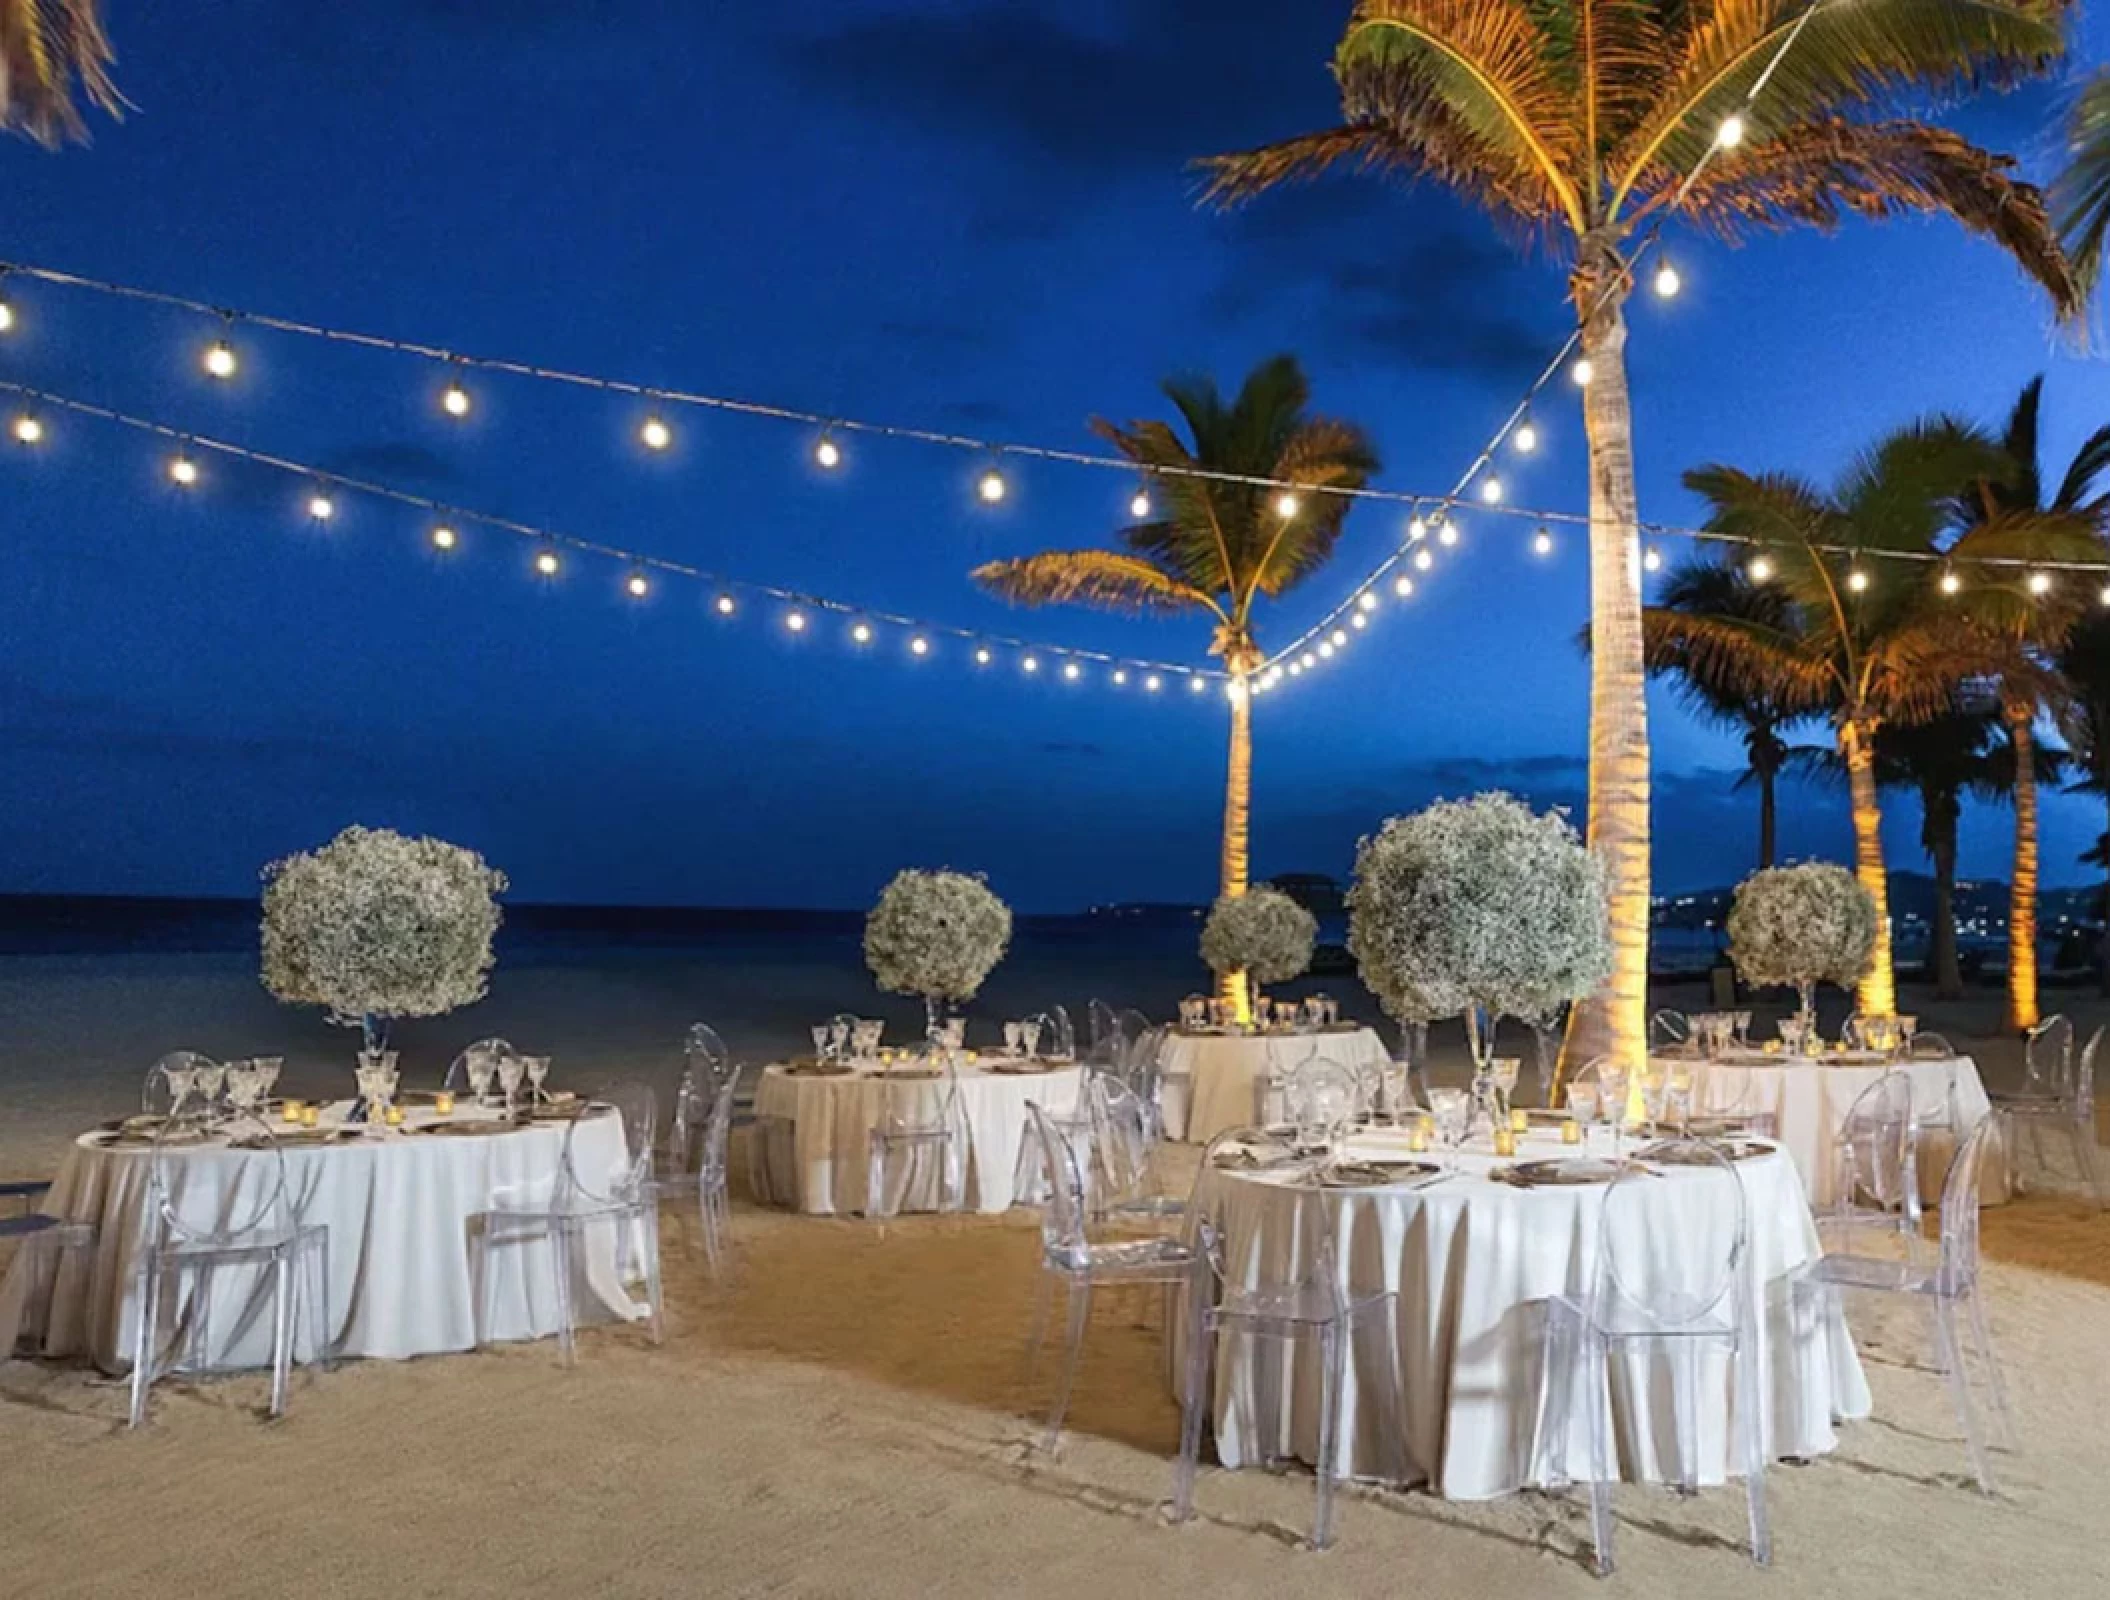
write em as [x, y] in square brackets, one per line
[847, 1415]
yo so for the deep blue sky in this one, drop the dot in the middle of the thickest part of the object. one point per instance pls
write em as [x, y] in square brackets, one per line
[966, 215]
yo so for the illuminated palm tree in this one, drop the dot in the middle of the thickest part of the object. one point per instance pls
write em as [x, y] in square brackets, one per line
[2029, 683]
[1215, 545]
[1716, 588]
[50, 52]
[1584, 120]
[2084, 661]
[1878, 635]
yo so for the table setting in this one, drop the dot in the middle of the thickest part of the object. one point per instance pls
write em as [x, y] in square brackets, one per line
[1215, 1071]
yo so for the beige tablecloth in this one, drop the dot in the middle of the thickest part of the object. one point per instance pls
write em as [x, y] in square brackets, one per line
[1474, 1263]
[814, 1133]
[1213, 1082]
[398, 1207]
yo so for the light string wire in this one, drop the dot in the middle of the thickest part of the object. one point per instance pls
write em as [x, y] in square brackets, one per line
[1623, 282]
[1057, 656]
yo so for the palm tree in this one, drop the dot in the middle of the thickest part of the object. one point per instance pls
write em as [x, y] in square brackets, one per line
[1881, 639]
[2081, 193]
[2084, 662]
[1583, 119]
[1716, 588]
[1217, 545]
[50, 50]
[1941, 759]
[2029, 683]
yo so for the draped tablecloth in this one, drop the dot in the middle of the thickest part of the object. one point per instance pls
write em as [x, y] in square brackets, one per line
[1809, 1098]
[1211, 1082]
[814, 1133]
[399, 1207]
[1474, 1263]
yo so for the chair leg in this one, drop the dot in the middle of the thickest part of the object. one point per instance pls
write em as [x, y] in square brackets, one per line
[1951, 1357]
[323, 1351]
[1996, 1381]
[560, 1264]
[1751, 1404]
[707, 1215]
[1333, 1385]
[1597, 1356]
[144, 1342]
[1080, 1314]
[654, 1290]
[1561, 1357]
[1686, 1424]
[1043, 1294]
[2084, 1158]
[480, 1281]
[281, 1327]
[1195, 1401]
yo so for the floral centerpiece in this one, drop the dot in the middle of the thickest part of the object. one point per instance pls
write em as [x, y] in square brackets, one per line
[1478, 907]
[936, 935]
[375, 926]
[1262, 933]
[1802, 925]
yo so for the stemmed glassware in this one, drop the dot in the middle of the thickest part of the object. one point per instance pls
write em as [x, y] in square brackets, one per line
[838, 1038]
[245, 1086]
[865, 1035]
[1741, 1022]
[482, 1067]
[267, 1071]
[1029, 1037]
[820, 1043]
[537, 1069]
[1014, 1034]
[1453, 1111]
[1612, 1096]
[510, 1069]
[1793, 1033]
[1504, 1071]
[952, 1033]
[182, 1083]
[377, 1084]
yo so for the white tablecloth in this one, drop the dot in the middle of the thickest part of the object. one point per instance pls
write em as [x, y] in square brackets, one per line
[398, 1208]
[1809, 1101]
[1474, 1263]
[815, 1133]
[1212, 1082]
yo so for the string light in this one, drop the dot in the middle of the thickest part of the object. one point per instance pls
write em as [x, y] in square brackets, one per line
[1759, 570]
[1367, 600]
[28, 430]
[321, 507]
[1582, 372]
[444, 538]
[2040, 584]
[1286, 505]
[1360, 620]
[1296, 669]
[919, 646]
[7, 315]
[2105, 595]
[828, 454]
[795, 621]
[1417, 530]
[1731, 133]
[546, 563]
[1652, 559]
[726, 605]
[1668, 283]
[1031, 663]
[1526, 438]
[981, 657]
[1139, 507]
[1153, 683]
[1857, 580]
[1309, 660]
[862, 633]
[1950, 583]
[183, 471]
[1447, 535]
[1403, 586]
[454, 400]
[1120, 677]
[991, 487]
[655, 433]
[220, 359]
[1424, 559]
[639, 585]
[1542, 543]
[1326, 650]
[1339, 638]
[1490, 491]
[1072, 671]
[1196, 682]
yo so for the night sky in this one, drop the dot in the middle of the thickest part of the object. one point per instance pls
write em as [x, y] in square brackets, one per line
[967, 216]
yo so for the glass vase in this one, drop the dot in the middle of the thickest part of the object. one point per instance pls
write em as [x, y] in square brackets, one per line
[1812, 1042]
[1480, 1038]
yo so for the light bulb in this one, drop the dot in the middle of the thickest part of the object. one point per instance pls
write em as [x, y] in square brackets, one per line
[1731, 133]
[919, 646]
[455, 401]
[1542, 543]
[321, 507]
[1417, 530]
[1950, 583]
[1285, 504]
[28, 430]
[1760, 569]
[1326, 651]
[1526, 438]
[1490, 491]
[1367, 600]
[1582, 372]
[1234, 691]
[1360, 620]
[1120, 677]
[992, 487]
[1447, 535]
[981, 657]
[1340, 637]
[828, 453]
[1652, 559]
[1309, 660]
[444, 538]
[1857, 581]
[726, 605]
[220, 360]
[183, 471]
[639, 585]
[546, 563]
[795, 621]
[1296, 669]
[1031, 663]
[7, 316]
[1195, 683]
[1423, 560]
[2105, 595]
[1668, 283]
[2040, 584]
[1072, 671]
[1153, 683]
[862, 633]
[1139, 507]
[655, 434]
[1403, 586]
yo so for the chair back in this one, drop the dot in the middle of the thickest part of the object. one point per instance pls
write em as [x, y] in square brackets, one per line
[718, 1127]
[1958, 1270]
[905, 1105]
[2083, 1095]
[1669, 1029]
[241, 1198]
[457, 1078]
[1062, 1220]
[1321, 1098]
[2047, 1057]
[1650, 1279]
[1121, 1139]
[1105, 1030]
[1065, 1045]
[1878, 1146]
[636, 1108]
[1139, 1067]
[1930, 1047]
[174, 1078]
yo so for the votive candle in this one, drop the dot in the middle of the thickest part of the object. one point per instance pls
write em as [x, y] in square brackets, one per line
[1571, 1131]
[395, 1116]
[443, 1103]
[1505, 1142]
[1518, 1122]
[310, 1116]
[290, 1111]
[1417, 1139]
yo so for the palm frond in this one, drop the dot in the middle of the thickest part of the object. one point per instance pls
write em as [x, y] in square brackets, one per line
[1752, 658]
[50, 52]
[2077, 490]
[2080, 194]
[1903, 491]
[1103, 578]
[1234, 178]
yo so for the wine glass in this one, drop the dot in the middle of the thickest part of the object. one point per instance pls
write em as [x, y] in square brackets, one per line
[1585, 1101]
[1612, 1096]
[267, 1071]
[1504, 1070]
[1453, 1111]
[1029, 1036]
[1741, 1022]
[954, 1033]
[510, 1068]
[482, 1066]
[245, 1089]
[1013, 1034]
[838, 1037]
[209, 1082]
[537, 1069]
[820, 1043]
[865, 1037]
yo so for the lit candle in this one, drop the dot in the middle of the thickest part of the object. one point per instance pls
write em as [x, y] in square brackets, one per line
[443, 1103]
[290, 1111]
[1518, 1122]
[395, 1116]
[1505, 1142]
[310, 1116]
[1571, 1131]
[1417, 1139]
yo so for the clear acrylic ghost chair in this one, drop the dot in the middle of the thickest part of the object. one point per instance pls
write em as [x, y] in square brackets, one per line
[919, 1121]
[713, 1196]
[1950, 1291]
[43, 1244]
[1064, 1047]
[2064, 1103]
[158, 1096]
[1314, 1308]
[554, 1216]
[1670, 1032]
[1105, 1032]
[214, 1207]
[1930, 1047]
[1875, 1158]
[1142, 1071]
[1321, 1099]
[705, 1064]
[1664, 1305]
[1723, 1114]
[1128, 1187]
[461, 1080]
[2047, 1056]
[1069, 1256]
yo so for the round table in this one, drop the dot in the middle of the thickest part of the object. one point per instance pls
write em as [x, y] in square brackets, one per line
[1474, 1263]
[813, 1131]
[1809, 1098]
[1213, 1082]
[399, 1205]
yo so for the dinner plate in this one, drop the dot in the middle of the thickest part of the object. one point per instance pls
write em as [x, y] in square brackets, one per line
[1674, 1153]
[1355, 1175]
[1564, 1171]
[463, 1130]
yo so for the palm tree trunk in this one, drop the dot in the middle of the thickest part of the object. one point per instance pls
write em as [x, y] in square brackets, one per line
[2022, 890]
[1614, 1021]
[2102, 954]
[1878, 995]
[1768, 816]
[1939, 835]
[1238, 811]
